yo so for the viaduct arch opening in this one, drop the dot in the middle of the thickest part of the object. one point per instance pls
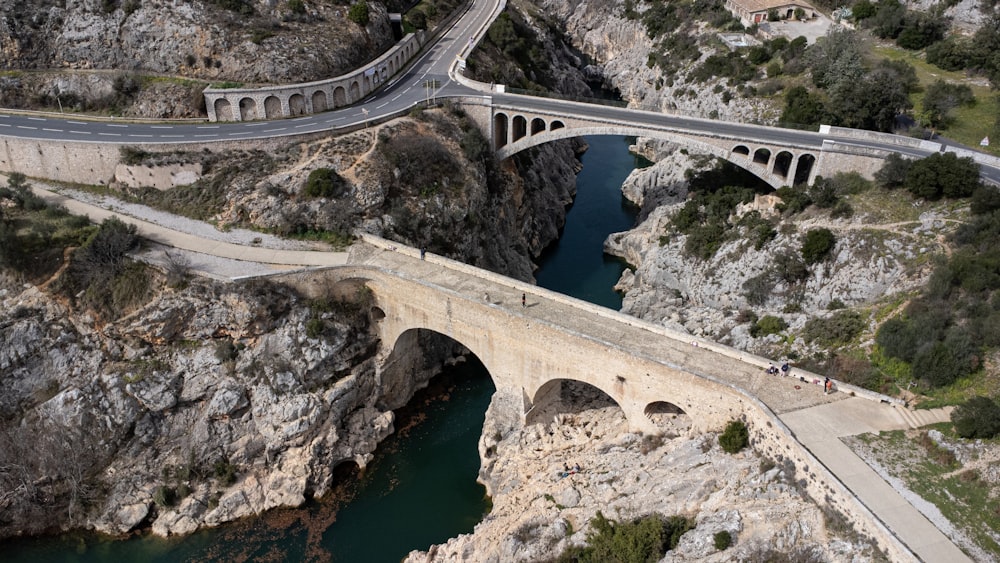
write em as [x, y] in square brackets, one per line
[569, 396]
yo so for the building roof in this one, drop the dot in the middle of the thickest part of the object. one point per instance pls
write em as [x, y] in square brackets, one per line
[764, 5]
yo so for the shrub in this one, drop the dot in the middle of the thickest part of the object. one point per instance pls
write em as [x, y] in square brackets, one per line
[164, 496]
[323, 182]
[358, 13]
[225, 350]
[225, 472]
[735, 437]
[645, 539]
[722, 540]
[840, 328]
[943, 174]
[979, 417]
[768, 324]
[817, 245]
[315, 327]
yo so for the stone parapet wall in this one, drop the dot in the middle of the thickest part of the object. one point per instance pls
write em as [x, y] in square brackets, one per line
[273, 102]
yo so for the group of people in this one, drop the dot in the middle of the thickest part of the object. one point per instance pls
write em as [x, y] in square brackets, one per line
[785, 369]
[566, 472]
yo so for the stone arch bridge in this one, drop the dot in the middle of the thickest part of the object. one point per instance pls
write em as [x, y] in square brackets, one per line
[531, 350]
[780, 157]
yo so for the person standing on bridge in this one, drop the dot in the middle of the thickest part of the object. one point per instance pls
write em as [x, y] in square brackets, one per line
[524, 300]
[423, 252]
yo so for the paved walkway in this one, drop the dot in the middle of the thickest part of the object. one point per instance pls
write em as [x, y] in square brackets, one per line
[820, 428]
[281, 259]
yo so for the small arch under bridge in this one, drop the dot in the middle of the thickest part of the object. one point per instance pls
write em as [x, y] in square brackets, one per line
[514, 129]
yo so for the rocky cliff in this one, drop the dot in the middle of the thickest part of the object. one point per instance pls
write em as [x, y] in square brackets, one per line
[152, 59]
[212, 402]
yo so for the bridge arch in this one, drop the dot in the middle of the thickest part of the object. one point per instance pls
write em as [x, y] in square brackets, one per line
[762, 156]
[339, 97]
[519, 128]
[297, 104]
[355, 92]
[567, 396]
[537, 125]
[804, 168]
[500, 130]
[319, 101]
[742, 150]
[272, 107]
[782, 164]
[248, 109]
[223, 109]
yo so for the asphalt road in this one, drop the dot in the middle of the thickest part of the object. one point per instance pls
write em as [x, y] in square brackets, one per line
[427, 78]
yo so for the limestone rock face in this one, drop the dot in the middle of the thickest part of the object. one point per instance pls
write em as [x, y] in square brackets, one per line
[543, 503]
[86, 47]
[179, 429]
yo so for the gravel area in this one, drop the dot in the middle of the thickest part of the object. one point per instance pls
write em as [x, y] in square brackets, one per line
[185, 225]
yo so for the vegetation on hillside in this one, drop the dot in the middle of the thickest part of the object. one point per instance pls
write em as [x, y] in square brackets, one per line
[639, 541]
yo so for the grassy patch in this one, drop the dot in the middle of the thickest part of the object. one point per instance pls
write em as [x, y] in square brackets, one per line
[962, 495]
[971, 123]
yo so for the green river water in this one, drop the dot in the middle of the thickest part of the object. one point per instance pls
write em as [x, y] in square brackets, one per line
[421, 487]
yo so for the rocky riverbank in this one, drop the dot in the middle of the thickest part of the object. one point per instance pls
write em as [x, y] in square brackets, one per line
[547, 481]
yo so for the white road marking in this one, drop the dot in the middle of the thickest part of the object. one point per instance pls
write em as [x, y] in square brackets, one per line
[396, 98]
[52, 130]
[26, 127]
[76, 122]
[303, 125]
[140, 135]
[80, 132]
[208, 135]
[161, 126]
[4, 125]
[208, 127]
[116, 125]
[241, 133]
[111, 134]
[172, 136]
[273, 130]
[382, 106]
[36, 119]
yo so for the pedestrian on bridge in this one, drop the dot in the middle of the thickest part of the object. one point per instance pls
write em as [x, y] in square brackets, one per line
[524, 300]
[423, 252]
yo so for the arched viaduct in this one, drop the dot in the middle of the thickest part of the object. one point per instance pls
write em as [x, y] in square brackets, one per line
[273, 102]
[528, 355]
[513, 130]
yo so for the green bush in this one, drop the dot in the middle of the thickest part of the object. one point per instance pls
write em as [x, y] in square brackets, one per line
[735, 437]
[979, 417]
[840, 328]
[358, 13]
[225, 472]
[943, 175]
[323, 182]
[722, 540]
[315, 327]
[817, 245]
[768, 324]
[642, 540]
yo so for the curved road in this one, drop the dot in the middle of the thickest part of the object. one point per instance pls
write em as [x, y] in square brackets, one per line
[411, 88]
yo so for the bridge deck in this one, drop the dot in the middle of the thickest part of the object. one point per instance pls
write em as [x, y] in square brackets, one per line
[780, 394]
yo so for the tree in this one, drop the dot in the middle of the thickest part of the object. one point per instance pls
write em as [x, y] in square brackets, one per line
[817, 244]
[942, 97]
[979, 417]
[893, 173]
[920, 29]
[943, 174]
[871, 102]
[802, 107]
[862, 10]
